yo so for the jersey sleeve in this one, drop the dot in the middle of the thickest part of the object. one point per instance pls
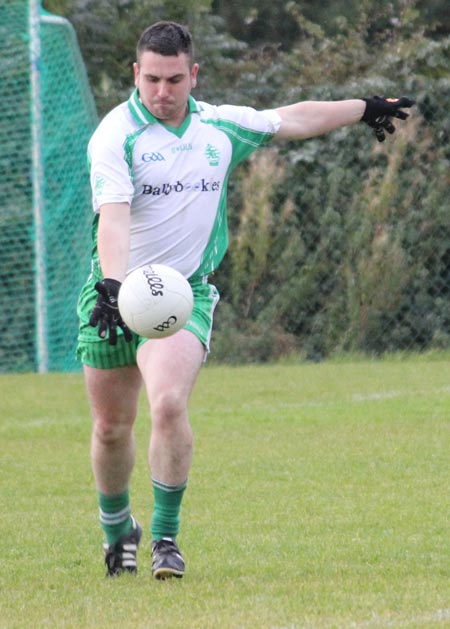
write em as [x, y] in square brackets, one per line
[247, 128]
[110, 174]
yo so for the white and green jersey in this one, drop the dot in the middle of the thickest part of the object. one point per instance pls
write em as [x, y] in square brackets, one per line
[175, 179]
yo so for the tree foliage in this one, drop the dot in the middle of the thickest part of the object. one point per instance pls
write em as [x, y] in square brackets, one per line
[337, 243]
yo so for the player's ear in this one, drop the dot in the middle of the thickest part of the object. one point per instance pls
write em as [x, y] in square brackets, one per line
[194, 71]
[136, 73]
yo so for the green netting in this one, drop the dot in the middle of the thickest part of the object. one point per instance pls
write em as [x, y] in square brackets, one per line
[43, 265]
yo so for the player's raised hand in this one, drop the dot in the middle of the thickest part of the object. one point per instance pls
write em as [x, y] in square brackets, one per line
[105, 313]
[380, 110]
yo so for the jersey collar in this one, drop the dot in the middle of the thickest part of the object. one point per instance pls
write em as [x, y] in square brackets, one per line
[142, 115]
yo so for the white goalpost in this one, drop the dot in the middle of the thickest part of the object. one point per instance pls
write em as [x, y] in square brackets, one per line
[40, 267]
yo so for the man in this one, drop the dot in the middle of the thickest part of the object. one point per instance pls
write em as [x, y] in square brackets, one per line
[159, 169]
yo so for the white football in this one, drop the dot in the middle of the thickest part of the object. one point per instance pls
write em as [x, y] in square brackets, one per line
[155, 301]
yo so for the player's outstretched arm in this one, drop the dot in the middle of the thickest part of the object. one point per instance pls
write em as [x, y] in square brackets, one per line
[311, 118]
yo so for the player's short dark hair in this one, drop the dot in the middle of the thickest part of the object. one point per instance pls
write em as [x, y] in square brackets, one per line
[166, 38]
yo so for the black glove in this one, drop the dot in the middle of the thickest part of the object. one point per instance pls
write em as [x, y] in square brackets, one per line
[106, 312]
[380, 110]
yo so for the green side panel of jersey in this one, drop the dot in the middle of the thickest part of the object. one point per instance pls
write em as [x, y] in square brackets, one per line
[95, 262]
[244, 142]
[218, 240]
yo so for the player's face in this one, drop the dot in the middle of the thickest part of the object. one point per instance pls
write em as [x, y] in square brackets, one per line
[164, 85]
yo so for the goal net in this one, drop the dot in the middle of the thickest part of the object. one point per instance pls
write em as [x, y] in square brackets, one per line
[47, 116]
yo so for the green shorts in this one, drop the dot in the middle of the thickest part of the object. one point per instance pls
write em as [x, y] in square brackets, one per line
[97, 352]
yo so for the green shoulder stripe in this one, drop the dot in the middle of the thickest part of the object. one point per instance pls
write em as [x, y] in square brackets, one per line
[128, 147]
[244, 141]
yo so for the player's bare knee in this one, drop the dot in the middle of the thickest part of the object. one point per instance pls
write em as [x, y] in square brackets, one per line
[110, 432]
[168, 409]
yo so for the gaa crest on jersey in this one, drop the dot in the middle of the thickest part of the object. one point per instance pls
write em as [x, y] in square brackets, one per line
[154, 156]
[212, 155]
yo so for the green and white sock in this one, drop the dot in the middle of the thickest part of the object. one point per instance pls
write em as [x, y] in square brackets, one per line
[166, 512]
[115, 515]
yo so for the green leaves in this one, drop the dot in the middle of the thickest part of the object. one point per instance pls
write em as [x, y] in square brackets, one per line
[336, 243]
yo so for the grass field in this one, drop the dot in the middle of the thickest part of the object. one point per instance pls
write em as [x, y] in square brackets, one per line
[319, 497]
